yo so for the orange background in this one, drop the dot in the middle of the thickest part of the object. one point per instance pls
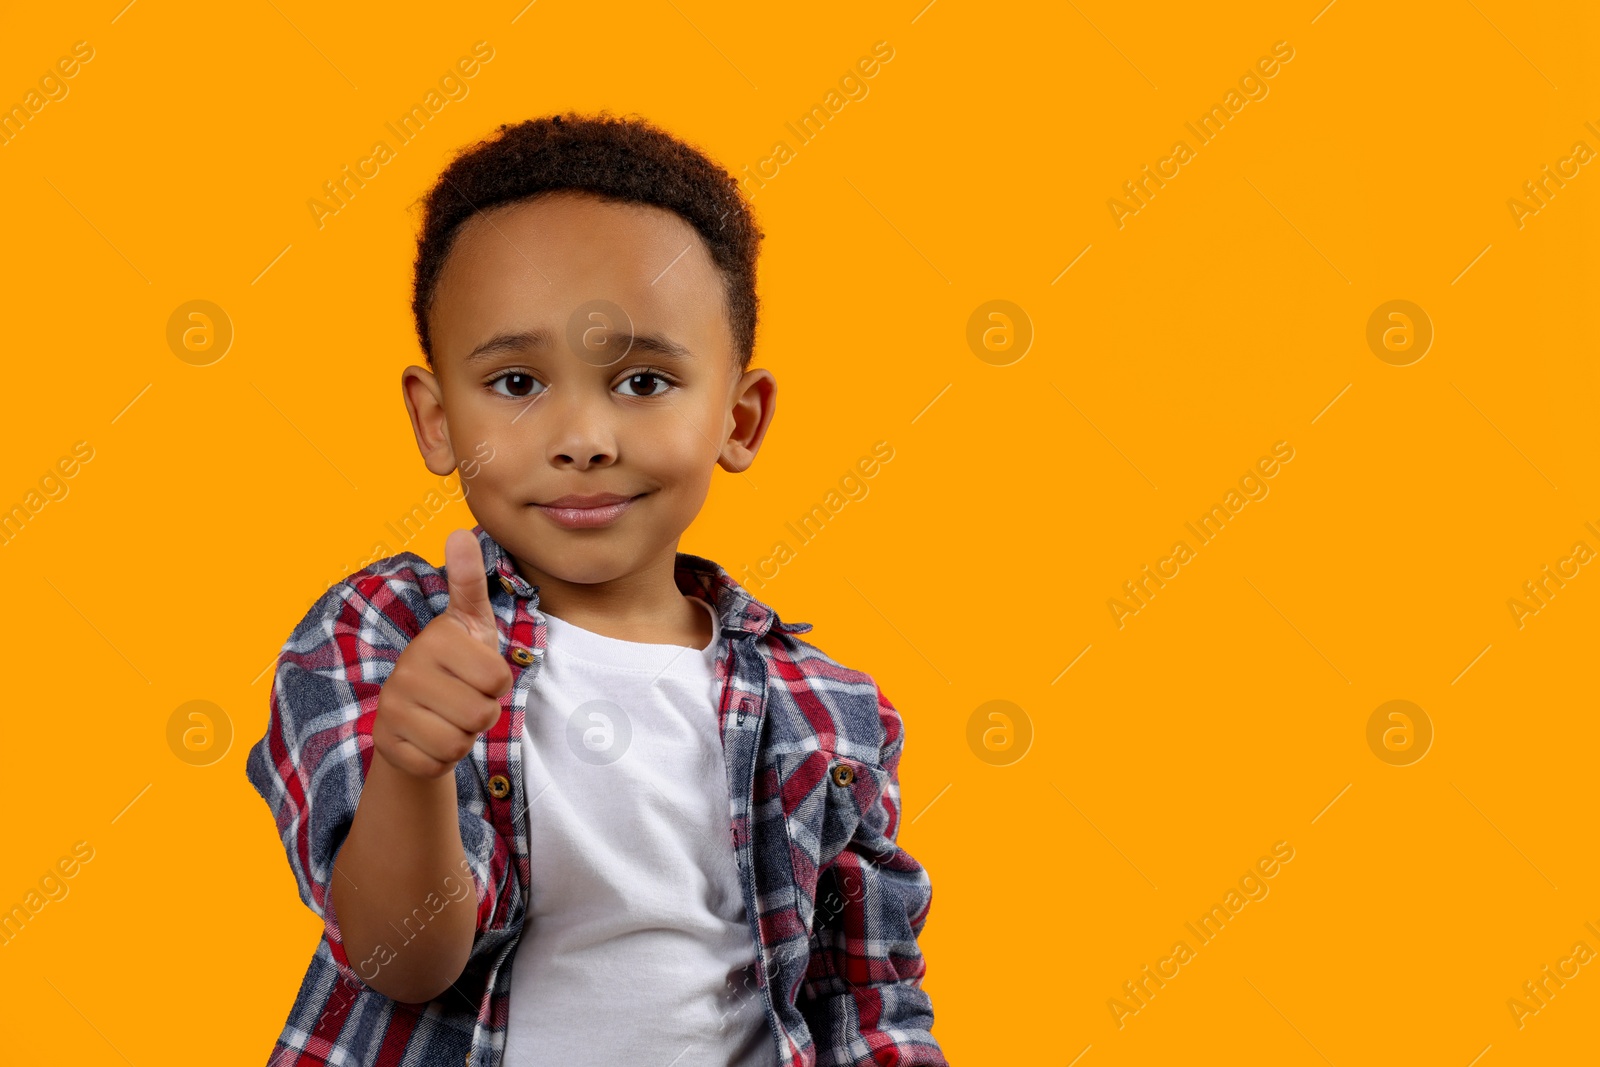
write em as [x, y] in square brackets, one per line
[1229, 313]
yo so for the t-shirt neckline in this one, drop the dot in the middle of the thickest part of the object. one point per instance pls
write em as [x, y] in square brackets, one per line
[574, 640]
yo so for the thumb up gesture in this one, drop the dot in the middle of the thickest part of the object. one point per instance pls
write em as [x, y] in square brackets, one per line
[469, 592]
[445, 688]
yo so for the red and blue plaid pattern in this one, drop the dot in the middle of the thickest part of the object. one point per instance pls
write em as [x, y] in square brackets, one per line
[812, 752]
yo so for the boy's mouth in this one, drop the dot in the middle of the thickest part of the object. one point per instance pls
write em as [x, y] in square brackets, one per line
[584, 511]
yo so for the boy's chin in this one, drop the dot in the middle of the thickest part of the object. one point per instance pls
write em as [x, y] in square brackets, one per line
[587, 559]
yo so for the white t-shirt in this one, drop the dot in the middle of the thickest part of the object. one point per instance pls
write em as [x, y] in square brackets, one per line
[637, 947]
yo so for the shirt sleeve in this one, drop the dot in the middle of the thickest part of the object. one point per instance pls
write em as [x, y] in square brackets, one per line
[310, 765]
[862, 996]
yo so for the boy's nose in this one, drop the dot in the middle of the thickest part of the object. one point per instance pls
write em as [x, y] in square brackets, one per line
[581, 428]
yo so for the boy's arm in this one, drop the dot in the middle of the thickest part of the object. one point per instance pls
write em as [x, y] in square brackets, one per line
[398, 863]
[862, 996]
[315, 762]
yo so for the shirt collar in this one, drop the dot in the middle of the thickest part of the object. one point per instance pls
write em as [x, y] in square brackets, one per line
[696, 576]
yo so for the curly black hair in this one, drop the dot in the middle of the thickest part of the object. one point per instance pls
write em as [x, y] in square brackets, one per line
[624, 159]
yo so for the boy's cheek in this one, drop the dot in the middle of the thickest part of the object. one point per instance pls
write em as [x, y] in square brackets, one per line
[469, 469]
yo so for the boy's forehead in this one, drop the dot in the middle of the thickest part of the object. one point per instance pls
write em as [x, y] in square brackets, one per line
[537, 262]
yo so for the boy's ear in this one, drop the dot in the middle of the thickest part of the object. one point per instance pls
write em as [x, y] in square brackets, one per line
[755, 400]
[425, 405]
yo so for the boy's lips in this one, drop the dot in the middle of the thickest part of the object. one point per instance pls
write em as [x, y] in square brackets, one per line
[582, 511]
[590, 500]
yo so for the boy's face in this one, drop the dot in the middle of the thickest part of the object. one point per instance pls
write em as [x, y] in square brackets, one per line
[569, 402]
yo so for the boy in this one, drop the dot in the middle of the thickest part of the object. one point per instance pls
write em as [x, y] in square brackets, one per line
[578, 797]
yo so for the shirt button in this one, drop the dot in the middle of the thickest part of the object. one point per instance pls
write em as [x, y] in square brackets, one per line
[843, 774]
[499, 786]
[506, 584]
[522, 656]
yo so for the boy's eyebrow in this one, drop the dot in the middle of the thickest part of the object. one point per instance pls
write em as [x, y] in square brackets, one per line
[540, 338]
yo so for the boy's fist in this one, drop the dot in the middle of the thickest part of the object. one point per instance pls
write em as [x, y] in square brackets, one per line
[446, 686]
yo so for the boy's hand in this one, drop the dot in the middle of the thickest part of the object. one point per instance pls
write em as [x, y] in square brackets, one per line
[446, 686]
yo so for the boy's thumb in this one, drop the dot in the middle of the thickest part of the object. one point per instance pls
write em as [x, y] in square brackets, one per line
[469, 586]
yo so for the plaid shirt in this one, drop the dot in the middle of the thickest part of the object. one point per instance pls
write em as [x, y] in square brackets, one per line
[812, 751]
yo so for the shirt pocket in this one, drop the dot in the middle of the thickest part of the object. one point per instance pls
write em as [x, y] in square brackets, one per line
[824, 797]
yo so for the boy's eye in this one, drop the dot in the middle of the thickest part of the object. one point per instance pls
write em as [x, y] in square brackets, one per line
[646, 382]
[518, 385]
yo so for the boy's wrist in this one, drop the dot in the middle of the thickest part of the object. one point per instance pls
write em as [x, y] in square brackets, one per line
[408, 782]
